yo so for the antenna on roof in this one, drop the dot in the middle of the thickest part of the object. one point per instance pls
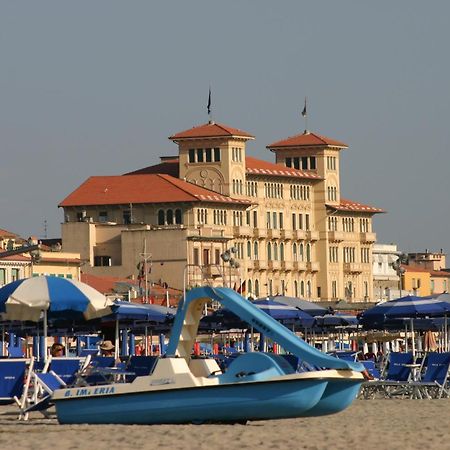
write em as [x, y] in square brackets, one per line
[305, 116]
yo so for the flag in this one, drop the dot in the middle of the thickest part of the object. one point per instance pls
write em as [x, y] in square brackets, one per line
[304, 109]
[209, 102]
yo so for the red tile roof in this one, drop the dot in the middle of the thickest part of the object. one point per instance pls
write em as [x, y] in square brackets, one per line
[18, 257]
[168, 167]
[153, 188]
[307, 139]
[259, 167]
[349, 205]
[6, 233]
[211, 129]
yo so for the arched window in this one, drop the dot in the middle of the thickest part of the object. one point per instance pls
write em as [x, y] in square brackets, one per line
[308, 252]
[301, 252]
[269, 251]
[161, 217]
[178, 217]
[255, 250]
[281, 252]
[295, 288]
[275, 251]
[249, 289]
[294, 252]
[249, 249]
[256, 288]
[169, 217]
[302, 288]
[308, 289]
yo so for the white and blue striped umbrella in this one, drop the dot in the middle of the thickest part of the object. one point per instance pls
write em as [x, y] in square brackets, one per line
[60, 297]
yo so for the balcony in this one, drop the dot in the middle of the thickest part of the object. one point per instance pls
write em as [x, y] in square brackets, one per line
[300, 266]
[312, 235]
[313, 266]
[259, 233]
[274, 265]
[286, 235]
[286, 266]
[260, 265]
[353, 268]
[336, 236]
[242, 231]
[299, 234]
[368, 238]
[273, 233]
[212, 271]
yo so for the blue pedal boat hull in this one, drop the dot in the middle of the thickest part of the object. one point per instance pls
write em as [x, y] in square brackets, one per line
[338, 395]
[222, 403]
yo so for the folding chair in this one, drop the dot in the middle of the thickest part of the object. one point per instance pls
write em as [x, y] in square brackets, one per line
[434, 381]
[66, 368]
[12, 378]
[394, 383]
[44, 386]
[91, 374]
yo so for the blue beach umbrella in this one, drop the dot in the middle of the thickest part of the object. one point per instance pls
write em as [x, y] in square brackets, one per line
[132, 311]
[282, 312]
[336, 320]
[58, 297]
[405, 307]
[304, 305]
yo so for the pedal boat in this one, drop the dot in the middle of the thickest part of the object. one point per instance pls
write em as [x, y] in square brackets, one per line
[182, 389]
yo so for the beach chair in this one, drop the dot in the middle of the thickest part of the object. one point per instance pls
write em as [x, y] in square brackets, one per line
[92, 373]
[394, 383]
[44, 385]
[140, 366]
[433, 383]
[12, 378]
[66, 368]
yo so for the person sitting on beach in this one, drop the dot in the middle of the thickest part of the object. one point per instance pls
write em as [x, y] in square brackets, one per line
[57, 350]
[107, 348]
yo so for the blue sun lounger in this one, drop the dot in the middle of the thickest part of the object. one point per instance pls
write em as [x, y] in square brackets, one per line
[12, 378]
[434, 381]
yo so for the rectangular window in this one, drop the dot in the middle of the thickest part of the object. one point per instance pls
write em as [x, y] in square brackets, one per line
[217, 154]
[268, 220]
[294, 221]
[296, 163]
[217, 256]
[2, 277]
[196, 256]
[274, 219]
[199, 155]
[102, 261]
[288, 162]
[281, 220]
[312, 163]
[208, 154]
[248, 218]
[126, 215]
[304, 162]
[255, 219]
[307, 222]
[192, 155]
[103, 216]
[300, 221]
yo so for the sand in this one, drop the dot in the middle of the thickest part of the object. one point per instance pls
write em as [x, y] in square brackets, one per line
[366, 424]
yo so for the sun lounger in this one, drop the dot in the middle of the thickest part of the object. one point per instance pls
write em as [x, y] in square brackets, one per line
[433, 384]
[140, 366]
[394, 383]
[12, 377]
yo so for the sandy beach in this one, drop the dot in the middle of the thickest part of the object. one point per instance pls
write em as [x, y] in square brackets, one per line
[367, 424]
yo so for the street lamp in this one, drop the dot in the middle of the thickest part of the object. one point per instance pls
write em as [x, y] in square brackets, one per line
[397, 266]
[228, 258]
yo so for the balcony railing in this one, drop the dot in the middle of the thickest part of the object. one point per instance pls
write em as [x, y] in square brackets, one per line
[299, 266]
[299, 234]
[260, 265]
[368, 237]
[260, 233]
[273, 233]
[312, 235]
[286, 235]
[336, 236]
[313, 266]
[286, 266]
[353, 268]
[274, 265]
[242, 231]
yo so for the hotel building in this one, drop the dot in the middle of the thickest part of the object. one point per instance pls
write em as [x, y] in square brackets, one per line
[284, 225]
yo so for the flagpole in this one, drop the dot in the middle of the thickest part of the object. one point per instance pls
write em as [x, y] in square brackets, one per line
[209, 105]
[305, 115]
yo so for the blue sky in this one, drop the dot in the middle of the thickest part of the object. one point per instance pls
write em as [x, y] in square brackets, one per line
[96, 87]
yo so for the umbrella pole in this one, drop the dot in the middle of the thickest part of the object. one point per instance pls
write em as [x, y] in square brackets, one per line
[412, 337]
[45, 335]
[146, 341]
[406, 338]
[117, 341]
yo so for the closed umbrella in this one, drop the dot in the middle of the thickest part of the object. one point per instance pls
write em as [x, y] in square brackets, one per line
[303, 305]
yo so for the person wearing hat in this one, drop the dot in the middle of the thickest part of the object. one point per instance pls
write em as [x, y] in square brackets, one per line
[107, 348]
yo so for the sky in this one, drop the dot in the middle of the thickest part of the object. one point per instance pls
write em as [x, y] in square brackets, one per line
[95, 87]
